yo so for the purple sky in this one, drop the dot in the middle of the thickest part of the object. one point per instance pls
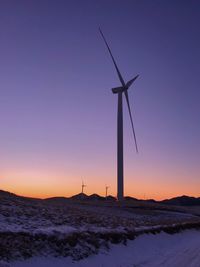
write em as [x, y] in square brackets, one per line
[57, 112]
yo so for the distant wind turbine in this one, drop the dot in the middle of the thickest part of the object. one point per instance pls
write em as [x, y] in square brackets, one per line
[120, 90]
[82, 187]
[107, 187]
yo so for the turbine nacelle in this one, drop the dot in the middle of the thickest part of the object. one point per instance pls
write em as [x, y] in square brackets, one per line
[117, 90]
[124, 88]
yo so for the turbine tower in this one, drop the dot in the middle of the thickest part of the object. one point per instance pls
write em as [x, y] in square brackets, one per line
[123, 89]
[82, 187]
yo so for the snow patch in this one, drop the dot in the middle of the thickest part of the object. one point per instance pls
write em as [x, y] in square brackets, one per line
[147, 250]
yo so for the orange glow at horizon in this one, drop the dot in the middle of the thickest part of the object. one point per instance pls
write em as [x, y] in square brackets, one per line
[44, 185]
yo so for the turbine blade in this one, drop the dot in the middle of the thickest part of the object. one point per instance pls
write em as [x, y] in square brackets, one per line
[131, 81]
[114, 62]
[129, 109]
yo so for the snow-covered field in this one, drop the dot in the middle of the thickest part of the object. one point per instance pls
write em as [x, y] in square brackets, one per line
[62, 231]
[177, 250]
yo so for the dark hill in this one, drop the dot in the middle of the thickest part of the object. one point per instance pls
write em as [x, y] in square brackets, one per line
[6, 194]
[111, 198]
[95, 197]
[80, 196]
[176, 201]
[128, 198]
[182, 201]
[56, 199]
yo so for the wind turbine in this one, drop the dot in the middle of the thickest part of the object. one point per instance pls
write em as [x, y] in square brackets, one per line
[123, 89]
[82, 187]
[107, 187]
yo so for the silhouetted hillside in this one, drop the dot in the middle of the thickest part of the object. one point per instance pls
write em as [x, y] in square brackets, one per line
[176, 201]
[128, 198]
[182, 201]
[151, 200]
[95, 197]
[111, 198]
[6, 194]
[56, 199]
[13, 198]
[80, 196]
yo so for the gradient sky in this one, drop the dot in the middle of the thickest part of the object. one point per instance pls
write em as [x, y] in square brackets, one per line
[57, 112]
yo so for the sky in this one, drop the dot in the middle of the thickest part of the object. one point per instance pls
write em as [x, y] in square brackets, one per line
[57, 111]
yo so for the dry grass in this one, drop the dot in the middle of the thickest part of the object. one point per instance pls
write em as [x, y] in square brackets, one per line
[73, 228]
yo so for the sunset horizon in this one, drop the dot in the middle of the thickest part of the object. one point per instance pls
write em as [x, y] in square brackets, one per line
[41, 191]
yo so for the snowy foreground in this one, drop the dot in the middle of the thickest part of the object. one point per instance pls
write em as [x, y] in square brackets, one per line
[63, 232]
[148, 250]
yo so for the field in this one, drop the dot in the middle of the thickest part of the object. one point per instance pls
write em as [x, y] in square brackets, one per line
[62, 227]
